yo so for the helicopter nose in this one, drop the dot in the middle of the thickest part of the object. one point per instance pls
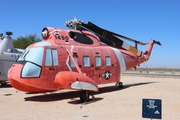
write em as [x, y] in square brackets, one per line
[15, 79]
[22, 84]
[14, 71]
[19, 85]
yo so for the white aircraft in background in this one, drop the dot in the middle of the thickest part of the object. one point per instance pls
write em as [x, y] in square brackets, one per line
[8, 55]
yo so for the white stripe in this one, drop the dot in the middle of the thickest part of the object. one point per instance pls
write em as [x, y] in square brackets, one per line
[67, 61]
[139, 53]
[126, 46]
[121, 60]
[72, 48]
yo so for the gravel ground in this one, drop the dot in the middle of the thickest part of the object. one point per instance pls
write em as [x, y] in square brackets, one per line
[109, 103]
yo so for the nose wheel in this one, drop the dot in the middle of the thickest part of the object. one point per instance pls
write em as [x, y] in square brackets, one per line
[119, 84]
[84, 96]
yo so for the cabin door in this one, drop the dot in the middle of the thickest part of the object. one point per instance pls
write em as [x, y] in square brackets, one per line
[50, 64]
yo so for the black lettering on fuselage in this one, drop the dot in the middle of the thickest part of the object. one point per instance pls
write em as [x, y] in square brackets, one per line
[61, 37]
[130, 57]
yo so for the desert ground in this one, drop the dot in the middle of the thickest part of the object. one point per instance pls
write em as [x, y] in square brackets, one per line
[109, 103]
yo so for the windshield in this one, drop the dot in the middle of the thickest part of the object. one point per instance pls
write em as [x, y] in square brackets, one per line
[34, 55]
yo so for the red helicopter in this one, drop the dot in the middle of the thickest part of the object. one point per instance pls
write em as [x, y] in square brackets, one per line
[80, 59]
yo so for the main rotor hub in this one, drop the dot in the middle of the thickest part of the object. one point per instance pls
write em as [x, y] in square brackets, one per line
[1, 34]
[9, 33]
[74, 24]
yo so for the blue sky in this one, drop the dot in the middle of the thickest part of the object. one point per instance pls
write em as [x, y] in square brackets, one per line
[137, 19]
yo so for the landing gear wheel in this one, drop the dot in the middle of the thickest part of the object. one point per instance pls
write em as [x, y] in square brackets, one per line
[84, 96]
[119, 84]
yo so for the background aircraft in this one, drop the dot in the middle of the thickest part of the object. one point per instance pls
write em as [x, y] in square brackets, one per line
[8, 55]
[76, 59]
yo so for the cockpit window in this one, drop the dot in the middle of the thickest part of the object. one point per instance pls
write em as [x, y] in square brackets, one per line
[21, 58]
[34, 55]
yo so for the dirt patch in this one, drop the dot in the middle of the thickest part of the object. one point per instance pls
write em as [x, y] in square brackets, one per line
[109, 103]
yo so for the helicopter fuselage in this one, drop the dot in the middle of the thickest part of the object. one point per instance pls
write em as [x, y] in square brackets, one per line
[70, 59]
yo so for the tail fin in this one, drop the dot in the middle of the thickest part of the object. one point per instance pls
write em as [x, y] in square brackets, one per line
[149, 49]
[157, 42]
[6, 44]
[143, 57]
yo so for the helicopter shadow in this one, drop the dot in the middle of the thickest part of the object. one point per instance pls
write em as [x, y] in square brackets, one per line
[73, 95]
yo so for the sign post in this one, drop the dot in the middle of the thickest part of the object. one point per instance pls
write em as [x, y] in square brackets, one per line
[151, 108]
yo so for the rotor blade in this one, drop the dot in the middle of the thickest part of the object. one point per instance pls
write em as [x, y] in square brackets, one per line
[106, 41]
[130, 39]
[124, 37]
[104, 36]
[108, 36]
[103, 33]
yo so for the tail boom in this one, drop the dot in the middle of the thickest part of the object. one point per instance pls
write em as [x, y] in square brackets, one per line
[133, 60]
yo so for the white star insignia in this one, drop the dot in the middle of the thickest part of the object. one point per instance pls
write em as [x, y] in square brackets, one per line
[107, 75]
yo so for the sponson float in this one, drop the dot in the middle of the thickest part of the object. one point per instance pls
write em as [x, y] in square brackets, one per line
[80, 59]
